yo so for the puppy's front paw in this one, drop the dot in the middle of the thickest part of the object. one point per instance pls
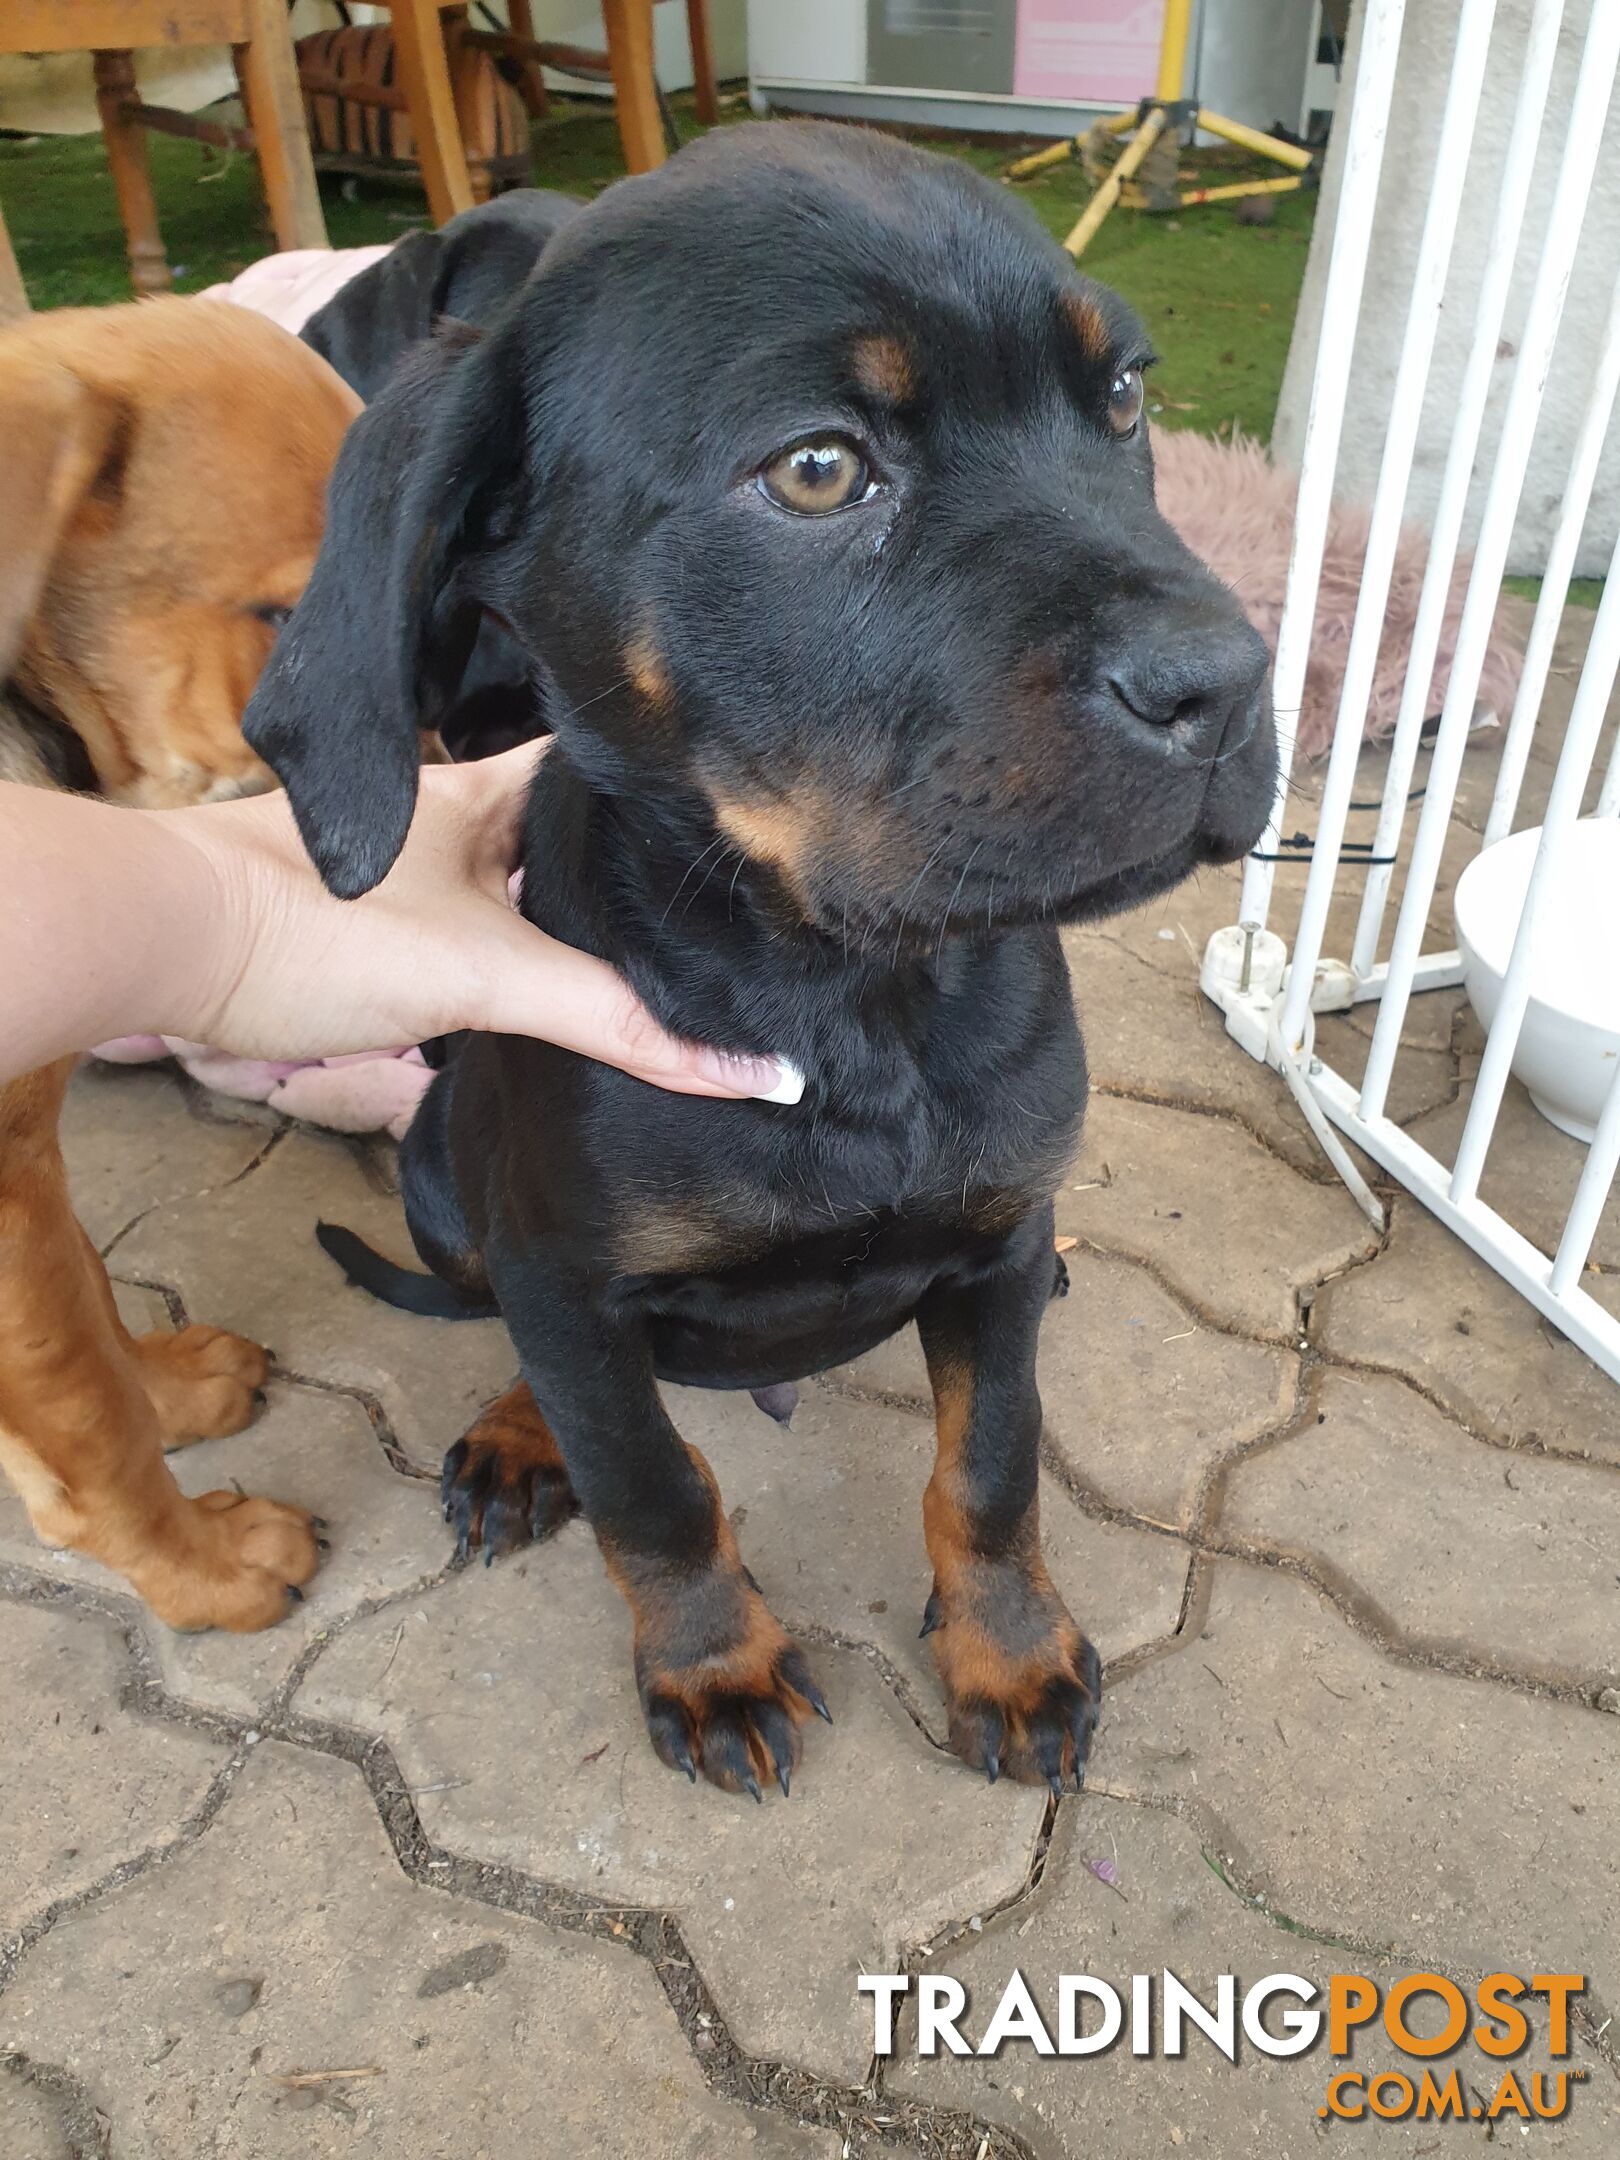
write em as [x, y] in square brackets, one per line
[1022, 1684]
[505, 1484]
[203, 1383]
[733, 1712]
[236, 1563]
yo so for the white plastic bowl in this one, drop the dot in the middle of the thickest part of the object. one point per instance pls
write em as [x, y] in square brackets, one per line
[1570, 1041]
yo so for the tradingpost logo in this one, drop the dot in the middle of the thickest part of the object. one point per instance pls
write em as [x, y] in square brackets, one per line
[1424, 2016]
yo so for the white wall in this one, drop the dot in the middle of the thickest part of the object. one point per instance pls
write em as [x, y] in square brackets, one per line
[1425, 61]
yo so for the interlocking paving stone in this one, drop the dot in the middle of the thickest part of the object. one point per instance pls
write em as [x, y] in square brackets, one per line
[1169, 1910]
[1458, 1819]
[1234, 1230]
[489, 2035]
[1139, 1398]
[131, 1142]
[1150, 1030]
[1429, 1308]
[246, 1258]
[87, 1785]
[1519, 1553]
[829, 1517]
[316, 1450]
[510, 1706]
[30, 2127]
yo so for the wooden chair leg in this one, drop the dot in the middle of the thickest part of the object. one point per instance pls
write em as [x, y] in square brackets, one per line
[704, 95]
[531, 76]
[268, 72]
[630, 52]
[466, 88]
[132, 176]
[13, 292]
[424, 76]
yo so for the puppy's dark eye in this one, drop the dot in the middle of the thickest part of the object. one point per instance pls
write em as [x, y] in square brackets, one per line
[1125, 401]
[272, 616]
[827, 473]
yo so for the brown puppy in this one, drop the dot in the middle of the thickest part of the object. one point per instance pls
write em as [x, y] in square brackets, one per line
[167, 467]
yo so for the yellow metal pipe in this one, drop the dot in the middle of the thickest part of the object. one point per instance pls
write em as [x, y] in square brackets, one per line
[1038, 160]
[1194, 196]
[1248, 138]
[1108, 194]
[1120, 123]
[1173, 50]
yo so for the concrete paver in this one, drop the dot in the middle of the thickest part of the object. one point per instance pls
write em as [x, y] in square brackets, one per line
[134, 1141]
[1429, 1308]
[1519, 1550]
[88, 1786]
[511, 1709]
[245, 1258]
[188, 2002]
[1157, 1906]
[1462, 1821]
[30, 2125]
[1190, 1195]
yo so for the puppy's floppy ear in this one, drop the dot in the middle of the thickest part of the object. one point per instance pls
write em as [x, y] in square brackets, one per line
[377, 643]
[59, 439]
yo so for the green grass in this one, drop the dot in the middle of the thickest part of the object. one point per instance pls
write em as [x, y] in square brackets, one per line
[1218, 298]
[1583, 591]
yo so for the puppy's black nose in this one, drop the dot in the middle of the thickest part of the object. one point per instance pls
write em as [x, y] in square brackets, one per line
[1191, 677]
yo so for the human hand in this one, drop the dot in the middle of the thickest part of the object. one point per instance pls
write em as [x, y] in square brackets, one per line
[292, 972]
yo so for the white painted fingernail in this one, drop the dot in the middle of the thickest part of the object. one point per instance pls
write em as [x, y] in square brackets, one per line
[789, 1086]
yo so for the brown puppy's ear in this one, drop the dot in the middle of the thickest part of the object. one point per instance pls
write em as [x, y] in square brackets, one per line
[57, 436]
[376, 645]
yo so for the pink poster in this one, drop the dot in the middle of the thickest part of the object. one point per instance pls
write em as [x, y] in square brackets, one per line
[1087, 52]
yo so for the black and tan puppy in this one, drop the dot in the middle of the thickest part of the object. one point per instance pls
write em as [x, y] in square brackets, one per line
[813, 477]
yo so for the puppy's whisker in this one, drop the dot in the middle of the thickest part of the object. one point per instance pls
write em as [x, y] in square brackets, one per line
[623, 683]
[945, 919]
[719, 841]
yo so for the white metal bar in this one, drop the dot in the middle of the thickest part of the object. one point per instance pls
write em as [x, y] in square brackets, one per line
[1389, 497]
[1341, 306]
[1586, 1209]
[1435, 971]
[1513, 193]
[1575, 1312]
[1608, 802]
[1588, 112]
[1563, 808]
[1555, 581]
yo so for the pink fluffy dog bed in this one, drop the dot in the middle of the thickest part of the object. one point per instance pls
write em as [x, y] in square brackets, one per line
[1228, 502]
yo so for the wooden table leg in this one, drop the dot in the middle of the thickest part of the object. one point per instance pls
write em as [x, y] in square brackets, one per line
[13, 292]
[704, 97]
[630, 52]
[268, 72]
[132, 176]
[424, 76]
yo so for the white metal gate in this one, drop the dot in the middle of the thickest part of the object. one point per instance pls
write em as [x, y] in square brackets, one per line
[1270, 989]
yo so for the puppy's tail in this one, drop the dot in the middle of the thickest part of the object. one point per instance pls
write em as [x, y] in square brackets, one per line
[398, 1286]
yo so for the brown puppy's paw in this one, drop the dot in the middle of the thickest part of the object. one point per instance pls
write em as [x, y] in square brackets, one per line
[734, 1713]
[506, 1484]
[203, 1383]
[1022, 1684]
[236, 1566]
